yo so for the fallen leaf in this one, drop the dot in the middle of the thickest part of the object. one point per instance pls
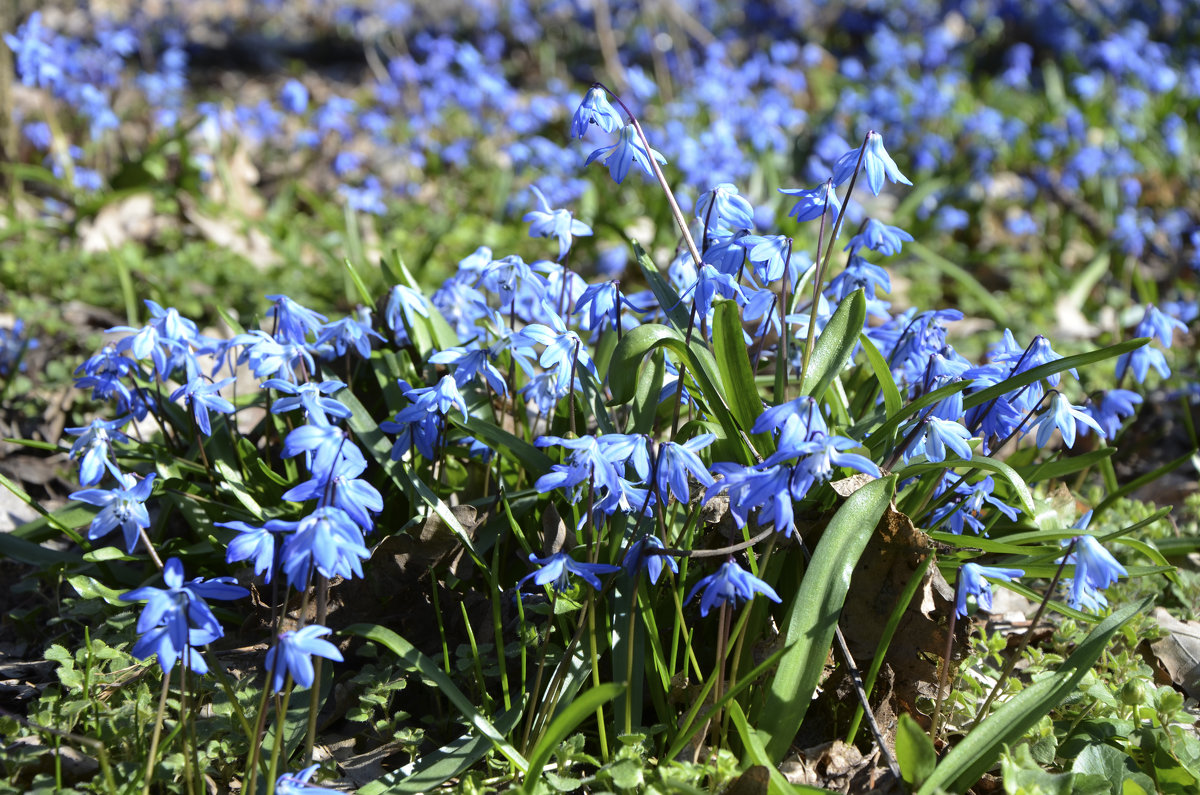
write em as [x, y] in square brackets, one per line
[1179, 651]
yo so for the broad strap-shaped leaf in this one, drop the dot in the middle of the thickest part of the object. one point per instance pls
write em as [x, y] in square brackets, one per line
[729, 348]
[813, 615]
[1015, 481]
[835, 345]
[979, 750]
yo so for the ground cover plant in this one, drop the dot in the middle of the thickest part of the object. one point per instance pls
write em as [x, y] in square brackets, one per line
[809, 405]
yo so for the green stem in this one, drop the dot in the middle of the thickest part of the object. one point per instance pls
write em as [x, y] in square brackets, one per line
[157, 734]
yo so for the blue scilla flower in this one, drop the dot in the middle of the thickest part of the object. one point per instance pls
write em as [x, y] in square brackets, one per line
[1060, 415]
[310, 396]
[933, 439]
[859, 274]
[726, 252]
[1112, 409]
[966, 511]
[555, 570]
[469, 364]
[342, 488]
[729, 585]
[586, 463]
[93, 448]
[795, 422]
[293, 97]
[1095, 570]
[293, 322]
[819, 458]
[104, 371]
[404, 306]
[547, 222]
[297, 783]
[322, 444]
[676, 462]
[972, 583]
[640, 556]
[711, 283]
[1140, 361]
[877, 163]
[326, 540]
[256, 544]
[121, 506]
[177, 617]
[624, 153]
[203, 397]
[812, 202]
[507, 275]
[349, 332]
[723, 210]
[769, 253]
[594, 109]
[765, 488]
[293, 654]
[603, 304]
[564, 350]
[878, 236]
[268, 357]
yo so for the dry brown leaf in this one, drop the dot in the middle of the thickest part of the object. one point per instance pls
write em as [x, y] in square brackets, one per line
[1179, 652]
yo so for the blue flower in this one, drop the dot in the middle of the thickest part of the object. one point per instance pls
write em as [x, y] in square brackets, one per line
[594, 109]
[639, 557]
[812, 203]
[728, 585]
[723, 210]
[876, 162]
[1095, 570]
[1062, 416]
[878, 236]
[677, 461]
[972, 583]
[177, 618]
[349, 332]
[966, 511]
[322, 444]
[469, 364]
[122, 506]
[342, 488]
[297, 783]
[93, 448]
[547, 222]
[937, 435]
[294, 97]
[404, 306]
[563, 347]
[769, 253]
[1112, 409]
[203, 397]
[327, 540]
[624, 153]
[311, 397]
[556, 568]
[251, 543]
[603, 304]
[293, 322]
[294, 652]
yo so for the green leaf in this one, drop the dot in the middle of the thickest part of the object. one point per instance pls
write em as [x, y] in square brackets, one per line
[433, 769]
[1034, 473]
[633, 347]
[892, 401]
[579, 710]
[733, 364]
[914, 751]
[534, 461]
[414, 660]
[18, 549]
[813, 615]
[980, 749]
[90, 588]
[649, 387]
[668, 299]
[836, 345]
[883, 434]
